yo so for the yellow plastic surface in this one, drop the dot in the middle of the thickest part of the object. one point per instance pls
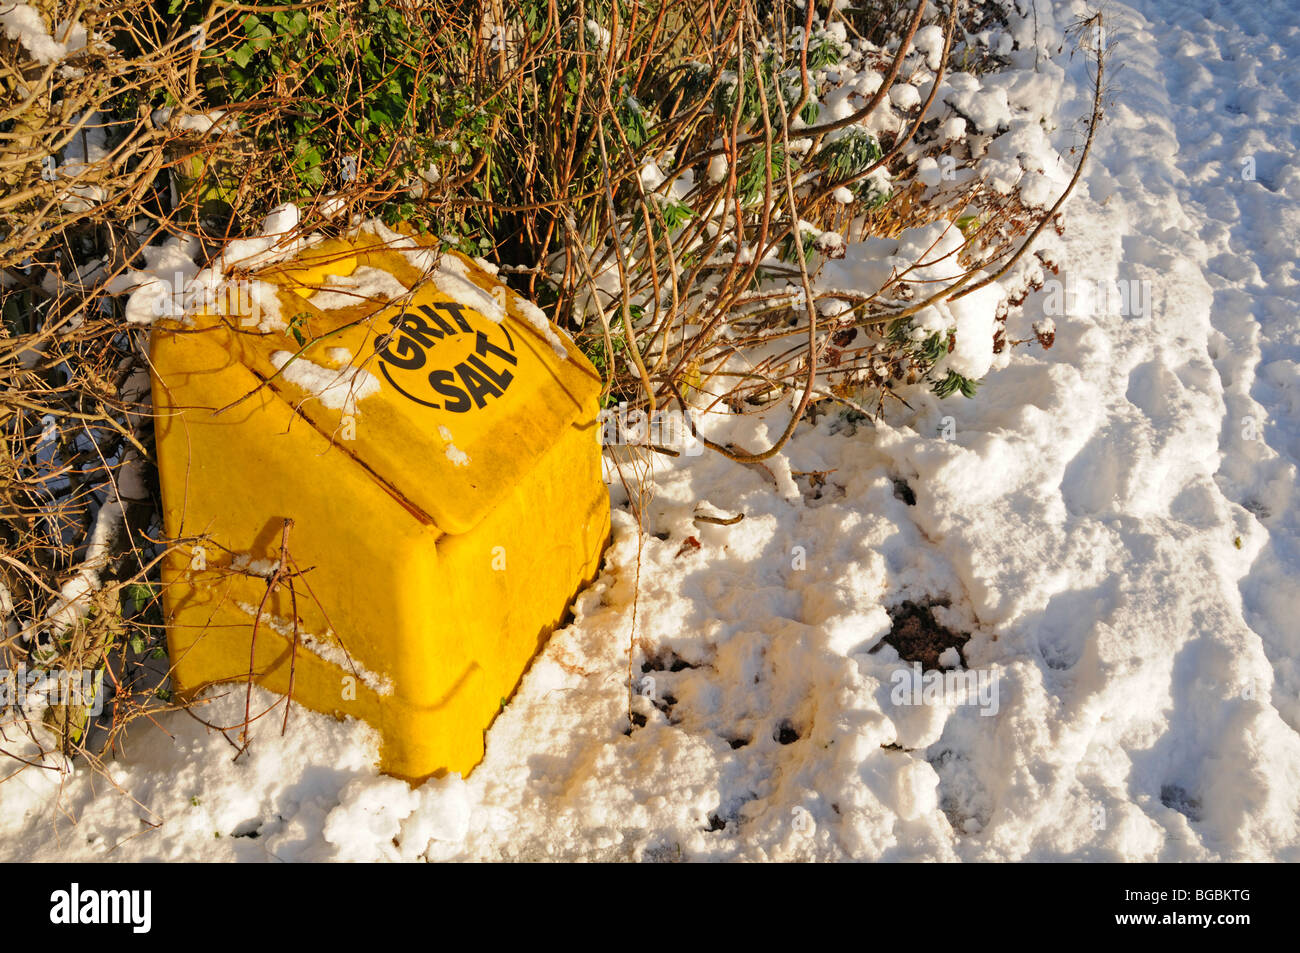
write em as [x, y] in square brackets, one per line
[442, 524]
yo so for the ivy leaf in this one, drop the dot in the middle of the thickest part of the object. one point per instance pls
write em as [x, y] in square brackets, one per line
[137, 597]
[258, 33]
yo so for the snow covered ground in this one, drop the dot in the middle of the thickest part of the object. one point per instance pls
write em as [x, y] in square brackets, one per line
[1110, 520]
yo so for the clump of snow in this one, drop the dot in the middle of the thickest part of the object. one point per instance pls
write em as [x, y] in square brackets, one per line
[973, 320]
[245, 563]
[75, 596]
[338, 389]
[23, 23]
[537, 318]
[905, 96]
[954, 127]
[430, 175]
[452, 279]
[599, 34]
[172, 285]
[278, 240]
[988, 109]
[652, 176]
[159, 288]
[717, 170]
[265, 309]
[869, 82]
[201, 122]
[457, 456]
[327, 646]
[830, 244]
[929, 40]
[364, 826]
[451, 276]
[331, 206]
[928, 171]
[365, 284]
[446, 271]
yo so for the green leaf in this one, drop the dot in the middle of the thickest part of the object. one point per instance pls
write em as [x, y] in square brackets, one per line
[137, 597]
[955, 383]
[296, 324]
[259, 35]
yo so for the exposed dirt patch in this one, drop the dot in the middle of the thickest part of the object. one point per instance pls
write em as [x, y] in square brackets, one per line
[918, 637]
[667, 661]
[904, 492]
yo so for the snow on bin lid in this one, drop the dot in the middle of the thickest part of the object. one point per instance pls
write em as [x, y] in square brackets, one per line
[442, 382]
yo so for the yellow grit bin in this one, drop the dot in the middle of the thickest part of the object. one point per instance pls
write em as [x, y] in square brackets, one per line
[410, 452]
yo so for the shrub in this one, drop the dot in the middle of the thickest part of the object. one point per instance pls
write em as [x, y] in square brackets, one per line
[666, 178]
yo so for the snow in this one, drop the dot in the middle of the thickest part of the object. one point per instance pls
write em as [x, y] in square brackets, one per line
[449, 275]
[158, 289]
[599, 34]
[202, 122]
[929, 40]
[365, 284]
[86, 150]
[536, 317]
[966, 94]
[23, 23]
[457, 456]
[327, 646]
[717, 170]
[452, 279]
[928, 171]
[75, 596]
[172, 285]
[652, 176]
[1112, 521]
[265, 309]
[905, 96]
[276, 242]
[953, 127]
[338, 389]
[973, 319]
